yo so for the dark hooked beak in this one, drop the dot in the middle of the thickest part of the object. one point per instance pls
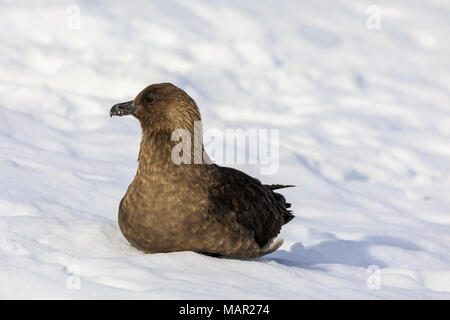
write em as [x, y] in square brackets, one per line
[123, 109]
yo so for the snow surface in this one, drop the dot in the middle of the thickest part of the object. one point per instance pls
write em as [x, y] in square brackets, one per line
[364, 121]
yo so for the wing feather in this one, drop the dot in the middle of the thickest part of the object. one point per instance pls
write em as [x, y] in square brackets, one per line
[253, 205]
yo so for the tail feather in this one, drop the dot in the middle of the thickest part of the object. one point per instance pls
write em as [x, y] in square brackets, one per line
[287, 214]
[278, 186]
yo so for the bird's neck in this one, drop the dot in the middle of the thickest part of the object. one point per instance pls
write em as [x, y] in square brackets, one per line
[160, 155]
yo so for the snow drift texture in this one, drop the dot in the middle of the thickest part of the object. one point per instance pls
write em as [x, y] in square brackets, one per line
[364, 121]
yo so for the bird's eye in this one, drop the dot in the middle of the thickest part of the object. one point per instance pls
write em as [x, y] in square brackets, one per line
[149, 99]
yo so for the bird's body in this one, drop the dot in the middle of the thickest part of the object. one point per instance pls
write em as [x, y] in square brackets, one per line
[199, 206]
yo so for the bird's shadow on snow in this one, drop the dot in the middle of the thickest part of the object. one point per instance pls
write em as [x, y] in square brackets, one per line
[345, 252]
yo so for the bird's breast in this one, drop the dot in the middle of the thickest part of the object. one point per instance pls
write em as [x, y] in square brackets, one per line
[160, 212]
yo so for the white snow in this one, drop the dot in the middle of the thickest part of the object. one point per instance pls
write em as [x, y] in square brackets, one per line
[364, 120]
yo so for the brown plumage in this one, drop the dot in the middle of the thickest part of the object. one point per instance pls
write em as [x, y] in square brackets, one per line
[200, 207]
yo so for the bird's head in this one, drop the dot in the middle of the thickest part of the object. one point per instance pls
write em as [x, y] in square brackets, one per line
[160, 107]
